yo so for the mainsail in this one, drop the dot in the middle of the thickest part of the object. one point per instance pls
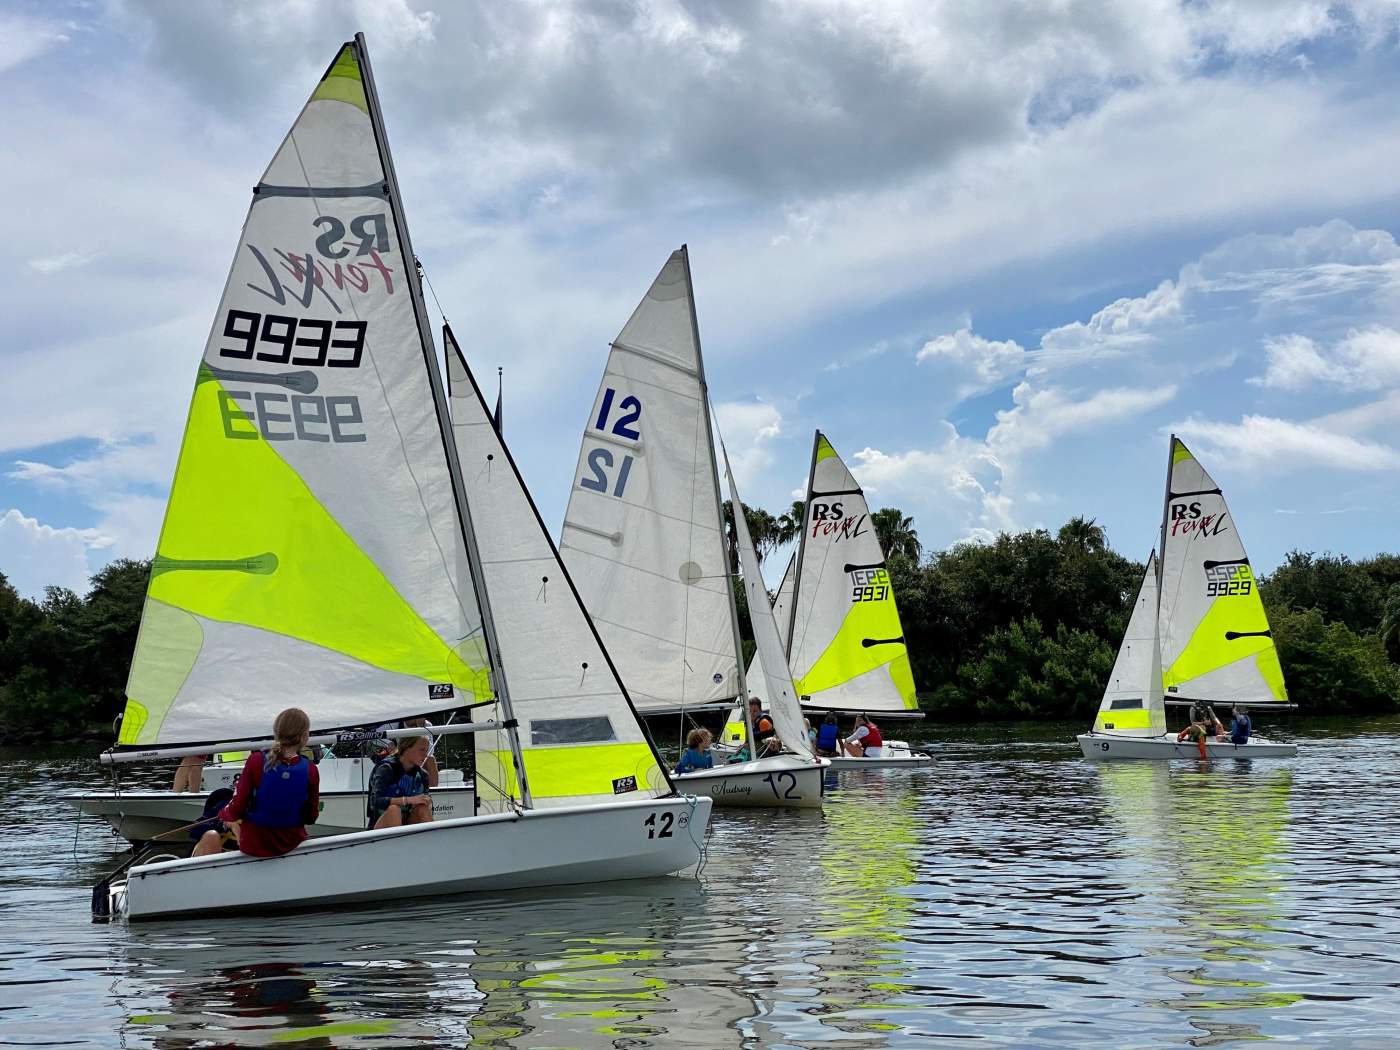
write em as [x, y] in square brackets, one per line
[845, 646]
[579, 737]
[783, 705]
[1216, 643]
[642, 535]
[1132, 701]
[312, 552]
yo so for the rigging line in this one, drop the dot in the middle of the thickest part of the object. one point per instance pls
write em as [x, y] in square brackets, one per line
[448, 572]
[423, 272]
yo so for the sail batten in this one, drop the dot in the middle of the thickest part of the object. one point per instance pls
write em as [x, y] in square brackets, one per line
[275, 582]
[1216, 642]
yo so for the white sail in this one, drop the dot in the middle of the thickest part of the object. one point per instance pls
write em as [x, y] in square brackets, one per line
[1132, 700]
[579, 737]
[734, 731]
[311, 552]
[642, 535]
[1216, 643]
[846, 648]
[780, 694]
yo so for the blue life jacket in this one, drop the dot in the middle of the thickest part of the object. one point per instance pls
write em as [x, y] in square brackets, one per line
[828, 733]
[281, 794]
[1239, 730]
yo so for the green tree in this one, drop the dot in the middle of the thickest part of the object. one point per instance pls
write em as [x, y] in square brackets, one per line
[1343, 591]
[895, 531]
[1332, 668]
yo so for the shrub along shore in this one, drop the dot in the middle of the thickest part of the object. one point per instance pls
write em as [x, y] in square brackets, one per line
[1022, 628]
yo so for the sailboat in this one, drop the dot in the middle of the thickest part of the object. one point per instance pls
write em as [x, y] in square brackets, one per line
[643, 537]
[837, 615]
[1198, 631]
[319, 550]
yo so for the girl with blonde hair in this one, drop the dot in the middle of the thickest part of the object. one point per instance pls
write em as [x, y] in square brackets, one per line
[278, 794]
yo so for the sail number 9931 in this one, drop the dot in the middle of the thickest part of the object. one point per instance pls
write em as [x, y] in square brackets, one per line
[869, 585]
[607, 472]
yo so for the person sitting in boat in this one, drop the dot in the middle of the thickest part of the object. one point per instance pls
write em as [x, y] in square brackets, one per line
[277, 795]
[697, 753]
[398, 787]
[768, 742]
[1196, 731]
[1240, 727]
[385, 748]
[828, 736]
[866, 741]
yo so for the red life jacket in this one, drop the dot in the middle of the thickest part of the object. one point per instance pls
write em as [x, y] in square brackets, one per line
[872, 737]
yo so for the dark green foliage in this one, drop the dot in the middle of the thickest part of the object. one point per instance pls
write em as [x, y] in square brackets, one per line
[1340, 589]
[1329, 667]
[63, 661]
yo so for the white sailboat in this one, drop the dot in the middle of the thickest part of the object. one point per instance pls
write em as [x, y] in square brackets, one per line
[319, 550]
[1198, 632]
[838, 618]
[643, 538]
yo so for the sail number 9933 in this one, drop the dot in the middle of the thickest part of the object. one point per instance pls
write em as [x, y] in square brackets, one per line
[606, 471]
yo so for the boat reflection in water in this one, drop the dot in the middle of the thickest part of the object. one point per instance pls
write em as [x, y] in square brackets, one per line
[1205, 851]
[864, 905]
[581, 969]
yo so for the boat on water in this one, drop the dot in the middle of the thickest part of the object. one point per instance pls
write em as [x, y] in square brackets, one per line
[1198, 634]
[643, 537]
[837, 617]
[143, 815]
[325, 546]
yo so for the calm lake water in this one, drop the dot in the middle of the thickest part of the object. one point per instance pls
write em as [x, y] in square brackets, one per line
[1011, 894]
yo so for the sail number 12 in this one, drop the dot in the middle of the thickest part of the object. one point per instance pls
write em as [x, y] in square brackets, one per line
[606, 474]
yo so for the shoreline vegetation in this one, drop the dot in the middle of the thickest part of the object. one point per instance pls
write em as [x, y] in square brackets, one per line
[1024, 627]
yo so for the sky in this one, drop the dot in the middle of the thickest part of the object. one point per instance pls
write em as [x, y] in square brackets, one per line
[998, 253]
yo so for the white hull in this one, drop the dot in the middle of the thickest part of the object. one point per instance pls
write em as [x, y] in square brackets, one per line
[783, 780]
[543, 847]
[139, 816]
[1108, 747]
[895, 754]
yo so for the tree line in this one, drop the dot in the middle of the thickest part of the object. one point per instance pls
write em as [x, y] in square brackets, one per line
[1023, 627]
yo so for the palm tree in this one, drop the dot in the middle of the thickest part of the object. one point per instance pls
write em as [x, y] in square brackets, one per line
[1085, 535]
[895, 531]
[764, 530]
[790, 522]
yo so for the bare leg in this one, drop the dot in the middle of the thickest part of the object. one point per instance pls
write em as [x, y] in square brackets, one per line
[421, 814]
[390, 818]
[854, 750]
[208, 845]
[189, 776]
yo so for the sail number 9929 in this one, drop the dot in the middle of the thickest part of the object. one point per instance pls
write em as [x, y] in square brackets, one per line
[1222, 580]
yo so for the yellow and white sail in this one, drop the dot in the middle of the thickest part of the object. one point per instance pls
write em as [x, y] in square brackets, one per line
[1132, 700]
[1216, 642]
[642, 533]
[311, 553]
[846, 647]
[579, 736]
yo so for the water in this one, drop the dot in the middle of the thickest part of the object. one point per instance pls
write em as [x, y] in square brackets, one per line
[1012, 894]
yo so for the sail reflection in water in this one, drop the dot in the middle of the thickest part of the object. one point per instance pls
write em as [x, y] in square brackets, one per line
[1207, 856]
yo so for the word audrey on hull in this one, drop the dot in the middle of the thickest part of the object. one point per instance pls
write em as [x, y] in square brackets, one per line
[277, 582]
[1198, 631]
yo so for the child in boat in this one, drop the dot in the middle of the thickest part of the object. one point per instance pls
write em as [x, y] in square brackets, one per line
[697, 753]
[866, 741]
[278, 794]
[828, 736]
[398, 787]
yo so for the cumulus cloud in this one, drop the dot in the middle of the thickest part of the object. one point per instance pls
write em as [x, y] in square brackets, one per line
[748, 429]
[1365, 359]
[35, 555]
[990, 362]
[1286, 445]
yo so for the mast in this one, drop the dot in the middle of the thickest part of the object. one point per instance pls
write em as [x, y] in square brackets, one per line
[464, 518]
[719, 508]
[801, 549]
